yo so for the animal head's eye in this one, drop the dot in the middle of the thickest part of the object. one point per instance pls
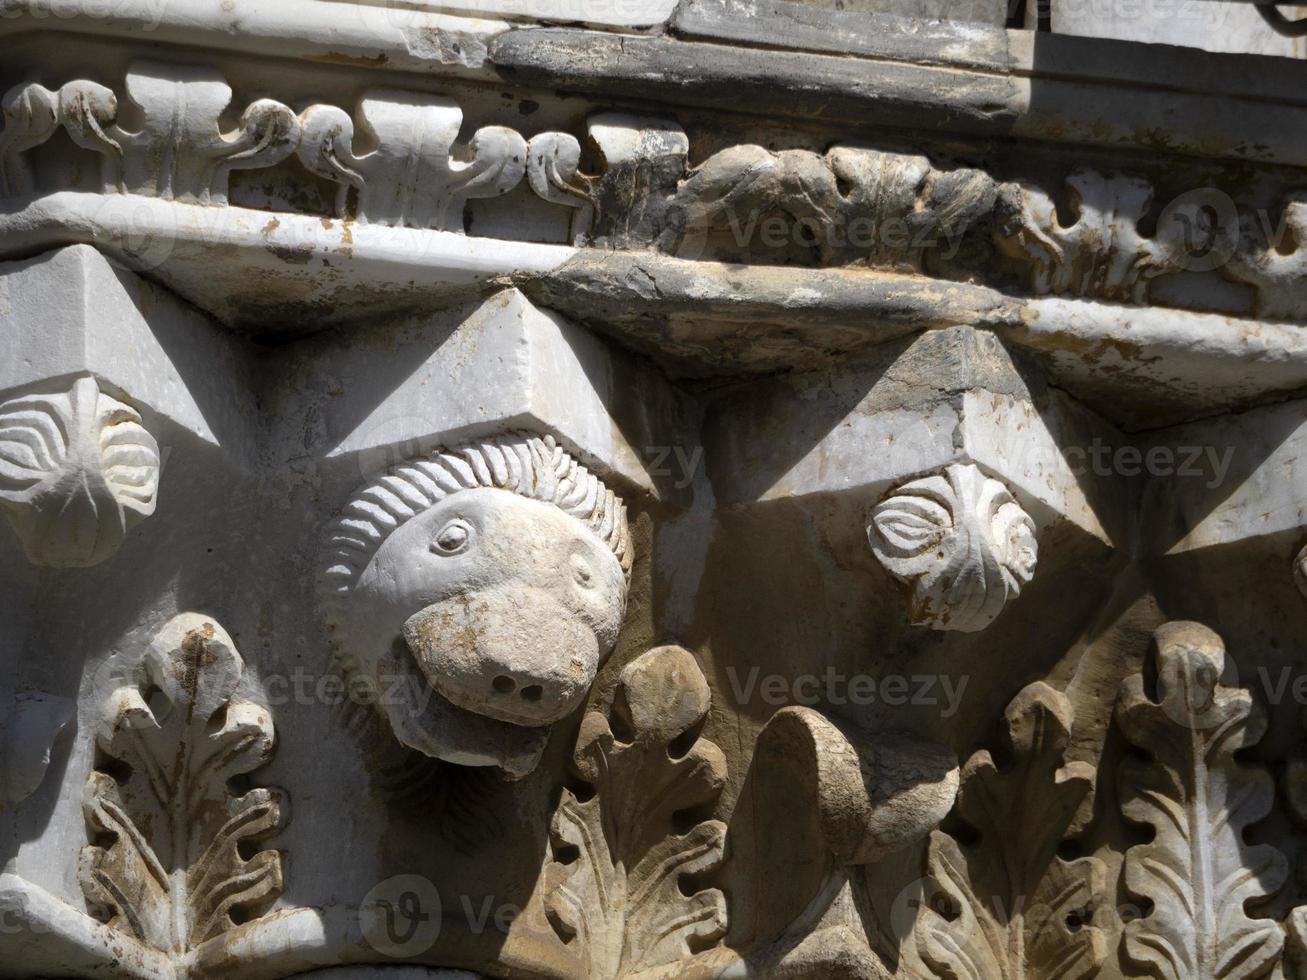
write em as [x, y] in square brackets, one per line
[581, 572]
[452, 539]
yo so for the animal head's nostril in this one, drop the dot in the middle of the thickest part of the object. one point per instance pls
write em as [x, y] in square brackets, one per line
[532, 692]
[503, 684]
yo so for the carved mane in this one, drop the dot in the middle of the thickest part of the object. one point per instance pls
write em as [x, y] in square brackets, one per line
[533, 466]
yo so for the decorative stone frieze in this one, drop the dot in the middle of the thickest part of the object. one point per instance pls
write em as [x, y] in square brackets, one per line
[853, 205]
[410, 178]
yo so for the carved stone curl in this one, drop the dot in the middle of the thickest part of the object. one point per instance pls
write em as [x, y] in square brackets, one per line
[412, 177]
[961, 541]
[473, 594]
[76, 472]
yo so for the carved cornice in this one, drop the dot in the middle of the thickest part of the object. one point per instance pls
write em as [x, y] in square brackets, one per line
[853, 206]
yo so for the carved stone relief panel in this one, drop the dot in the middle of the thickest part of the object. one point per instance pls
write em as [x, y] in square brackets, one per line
[469, 520]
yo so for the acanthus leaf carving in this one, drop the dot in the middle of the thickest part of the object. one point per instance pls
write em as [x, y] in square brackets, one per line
[619, 856]
[1198, 872]
[1011, 895]
[960, 541]
[412, 177]
[167, 864]
[77, 471]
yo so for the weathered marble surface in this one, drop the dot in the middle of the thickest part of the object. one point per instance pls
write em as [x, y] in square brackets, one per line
[609, 491]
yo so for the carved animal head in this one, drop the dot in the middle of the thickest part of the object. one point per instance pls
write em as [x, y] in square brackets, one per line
[478, 590]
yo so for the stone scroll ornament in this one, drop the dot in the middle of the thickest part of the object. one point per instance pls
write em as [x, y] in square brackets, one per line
[1198, 874]
[473, 594]
[1008, 900]
[623, 852]
[412, 177]
[960, 541]
[177, 858]
[179, 153]
[629, 204]
[77, 471]
[1101, 254]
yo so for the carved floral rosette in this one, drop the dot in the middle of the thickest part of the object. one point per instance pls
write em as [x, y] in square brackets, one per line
[77, 470]
[960, 541]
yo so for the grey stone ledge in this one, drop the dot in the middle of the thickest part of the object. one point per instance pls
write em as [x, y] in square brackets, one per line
[1140, 366]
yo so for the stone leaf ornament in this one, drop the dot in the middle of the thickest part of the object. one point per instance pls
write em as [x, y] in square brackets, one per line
[412, 177]
[960, 541]
[1101, 254]
[627, 204]
[77, 471]
[1276, 272]
[1009, 896]
[887, 209]
[176, 856]
[1198, 872]
[622, 851]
